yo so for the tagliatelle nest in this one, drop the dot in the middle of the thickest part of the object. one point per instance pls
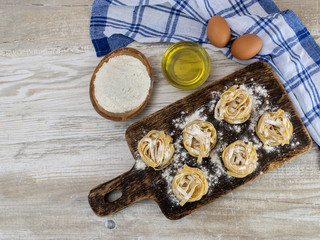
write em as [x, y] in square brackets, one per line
[156, 149]
[234, 106]
[274, 128]
[189, 184]
[199, 138]
[240, 159]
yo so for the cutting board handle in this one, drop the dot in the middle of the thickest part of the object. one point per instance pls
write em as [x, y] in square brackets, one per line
[133, 185]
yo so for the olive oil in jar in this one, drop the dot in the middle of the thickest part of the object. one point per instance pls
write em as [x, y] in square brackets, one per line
[186, 65]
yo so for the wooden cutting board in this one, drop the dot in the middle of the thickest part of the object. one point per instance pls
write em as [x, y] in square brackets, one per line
[143, 182]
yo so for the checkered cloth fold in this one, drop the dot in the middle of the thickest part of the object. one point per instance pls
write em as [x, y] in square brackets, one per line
[287, 45]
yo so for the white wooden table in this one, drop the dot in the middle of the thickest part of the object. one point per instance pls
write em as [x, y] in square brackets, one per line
[54, 147]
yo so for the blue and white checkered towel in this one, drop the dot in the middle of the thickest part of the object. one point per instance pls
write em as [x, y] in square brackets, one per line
[287, 45]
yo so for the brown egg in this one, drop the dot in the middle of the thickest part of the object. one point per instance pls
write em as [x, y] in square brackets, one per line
[246, 46]
[218, 31]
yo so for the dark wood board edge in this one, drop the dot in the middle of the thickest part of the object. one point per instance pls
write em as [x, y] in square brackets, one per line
[133, 185]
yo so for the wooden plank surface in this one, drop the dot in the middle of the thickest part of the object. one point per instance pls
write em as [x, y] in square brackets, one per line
[54, 147]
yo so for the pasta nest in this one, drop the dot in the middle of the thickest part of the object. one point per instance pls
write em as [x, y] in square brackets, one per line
[189, 185]
[199, 138]
[274, 128]
[234, 106]
[240, 159]
[156, 149]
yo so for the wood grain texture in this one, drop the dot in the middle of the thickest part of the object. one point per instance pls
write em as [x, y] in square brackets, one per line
[54, 147]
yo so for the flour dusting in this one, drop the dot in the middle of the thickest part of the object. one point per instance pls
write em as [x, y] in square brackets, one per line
[213, 166]
[183, 121]
[140, 164]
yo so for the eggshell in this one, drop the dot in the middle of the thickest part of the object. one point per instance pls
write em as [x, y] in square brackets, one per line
[246, 46]
[218, 31]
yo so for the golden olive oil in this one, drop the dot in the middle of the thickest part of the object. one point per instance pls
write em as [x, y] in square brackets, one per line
[185, 65]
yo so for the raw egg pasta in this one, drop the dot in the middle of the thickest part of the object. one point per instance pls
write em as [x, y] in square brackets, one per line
[234, 106]
[199, 138]
[274, 128]
[156, 149]
[239, 159]
[189, 185]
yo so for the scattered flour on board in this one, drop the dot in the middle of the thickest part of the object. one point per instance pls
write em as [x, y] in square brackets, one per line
[257, 95]
[257, 144]
[245, 139]
[140, 164]
[234, 127]
[183, 121]
[214, 158]
[179, 159]
[294, 144]
[270, 149]
[214, 169]
[215, 97]
[212, 178]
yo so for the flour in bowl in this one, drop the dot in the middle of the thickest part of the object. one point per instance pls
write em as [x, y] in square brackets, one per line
[122, 84]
